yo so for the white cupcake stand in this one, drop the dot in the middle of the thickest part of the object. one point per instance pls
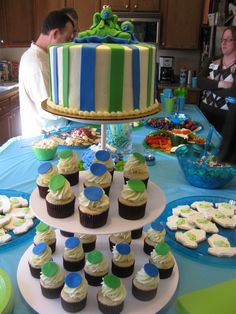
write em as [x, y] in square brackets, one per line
[30, 287]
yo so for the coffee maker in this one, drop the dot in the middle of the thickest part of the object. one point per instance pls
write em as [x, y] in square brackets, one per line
[166, 71]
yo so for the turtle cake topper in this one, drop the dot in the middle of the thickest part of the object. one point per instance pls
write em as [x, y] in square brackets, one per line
[105, 29]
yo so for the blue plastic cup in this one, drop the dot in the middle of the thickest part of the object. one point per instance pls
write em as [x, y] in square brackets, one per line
[168, 93]
[162, 99]
[194, 82]
[180, 102]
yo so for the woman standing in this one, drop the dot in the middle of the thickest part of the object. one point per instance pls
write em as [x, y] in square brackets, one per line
[220, 82]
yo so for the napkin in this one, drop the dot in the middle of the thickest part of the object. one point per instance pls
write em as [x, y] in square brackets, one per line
[217, 299]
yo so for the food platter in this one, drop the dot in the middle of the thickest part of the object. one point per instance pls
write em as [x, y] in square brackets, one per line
[30, 287]
[17, 239]
[201, 252]
[155, 205]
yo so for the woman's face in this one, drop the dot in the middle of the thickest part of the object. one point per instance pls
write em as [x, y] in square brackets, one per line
[228, 44]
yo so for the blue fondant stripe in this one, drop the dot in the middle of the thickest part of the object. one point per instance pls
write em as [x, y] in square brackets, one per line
[136, 75]
[55, 76]
[87, 80]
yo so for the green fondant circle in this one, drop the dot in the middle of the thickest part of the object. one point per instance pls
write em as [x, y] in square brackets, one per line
[162, 248]
[94, 257]
[50, 269]
[140, 157]
[57, 182]
[136, 185]
[65, 153]
[42, 227]
[111, 281]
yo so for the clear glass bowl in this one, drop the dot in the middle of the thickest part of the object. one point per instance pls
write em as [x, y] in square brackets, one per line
[203, 173]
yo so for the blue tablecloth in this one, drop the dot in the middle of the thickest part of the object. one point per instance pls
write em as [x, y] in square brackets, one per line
[18, 171]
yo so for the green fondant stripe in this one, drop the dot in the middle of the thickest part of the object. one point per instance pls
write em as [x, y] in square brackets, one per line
[65, 75]
[116, 77]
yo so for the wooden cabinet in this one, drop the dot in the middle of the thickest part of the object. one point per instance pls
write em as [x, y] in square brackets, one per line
[9, 115]
[86, 10]
[133, 5]
[180, 23]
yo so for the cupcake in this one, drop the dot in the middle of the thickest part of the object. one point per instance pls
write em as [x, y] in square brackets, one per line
[133, 200]
[96, 267]
[122, 260]
[88, 241]
[41, 254]
[162, 257]
[104, 157]
[93, 207]
[74, 293]
[145, 282]
[155, 234]
[137, 233]
[66, 234]
[45, 233]
[136, 168]
[51, 280]
[112, 295]
[98, 175]
[118, 238]
[73, 257]
[68, 166]
[60, 200]
[45, 171]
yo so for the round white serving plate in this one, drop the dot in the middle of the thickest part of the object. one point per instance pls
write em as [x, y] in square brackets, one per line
[155, 206]
[31, 291]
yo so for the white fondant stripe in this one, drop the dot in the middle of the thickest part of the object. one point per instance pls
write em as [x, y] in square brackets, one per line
[60, 74]
[74, 76]
[143, 76]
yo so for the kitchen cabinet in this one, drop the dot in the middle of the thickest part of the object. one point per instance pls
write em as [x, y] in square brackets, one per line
[86, 10]
[180, 23]
[9, 115]
[133, 5]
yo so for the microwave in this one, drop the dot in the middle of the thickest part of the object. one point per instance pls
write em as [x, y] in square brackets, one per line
[146, 25]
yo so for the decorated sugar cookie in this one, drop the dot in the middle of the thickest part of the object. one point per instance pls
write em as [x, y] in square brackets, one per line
[220, 246]
[18, 201]
[22, 212]
[202, 205]
[191, 238]
[4, 237]
[226, 208]
[183, 211]
[19, 225]
[5, 204]
[217, 240]
[222, 220]
[175, 222]
[4, 220]
[201, 222]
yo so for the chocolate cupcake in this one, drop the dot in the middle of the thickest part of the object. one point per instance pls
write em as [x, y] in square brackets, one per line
[122, 260]
[136, 168]
[104, 157]
[162, 257]
[60, 200]
[98, 175]
[51, 280]
[45, 171]
[93, 207]
[73, 257]
[118, 238]
[155, 234]
[45, 233]
[133, 200]
[137, 233]
[96, 267]
[68, 166]
[88, 241]
[112, 295]
[145, 283]
[74, 293]
[66, 234]
[41, 254]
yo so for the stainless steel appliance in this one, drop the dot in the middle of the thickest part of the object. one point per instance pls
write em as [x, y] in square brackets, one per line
[146, 25]
[166, 71]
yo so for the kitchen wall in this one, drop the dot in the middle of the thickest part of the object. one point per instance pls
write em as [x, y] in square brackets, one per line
[191, 58]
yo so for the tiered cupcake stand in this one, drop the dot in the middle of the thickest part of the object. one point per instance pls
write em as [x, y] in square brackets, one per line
[30, 287]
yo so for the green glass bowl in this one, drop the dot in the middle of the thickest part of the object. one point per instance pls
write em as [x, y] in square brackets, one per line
[45, 153]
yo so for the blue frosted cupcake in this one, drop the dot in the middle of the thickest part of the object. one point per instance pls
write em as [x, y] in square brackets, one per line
[73, 257]
[155, 234]
[41, 254]
[45, 172]
[74, 293]
[104, 157]
[123, 260]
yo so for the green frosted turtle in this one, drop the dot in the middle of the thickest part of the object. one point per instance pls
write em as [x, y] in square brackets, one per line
[104, 24]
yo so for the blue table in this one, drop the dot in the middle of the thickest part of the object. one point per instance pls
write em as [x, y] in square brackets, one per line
[18, 171]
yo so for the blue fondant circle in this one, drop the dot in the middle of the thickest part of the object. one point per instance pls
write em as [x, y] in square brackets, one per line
[98, 169]
[44, 168]
[72, 242]
[102, 155]
[123, 248]
[157, 226]
[73, 280]
[151, 270]
[93, 193]
[39, 248]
